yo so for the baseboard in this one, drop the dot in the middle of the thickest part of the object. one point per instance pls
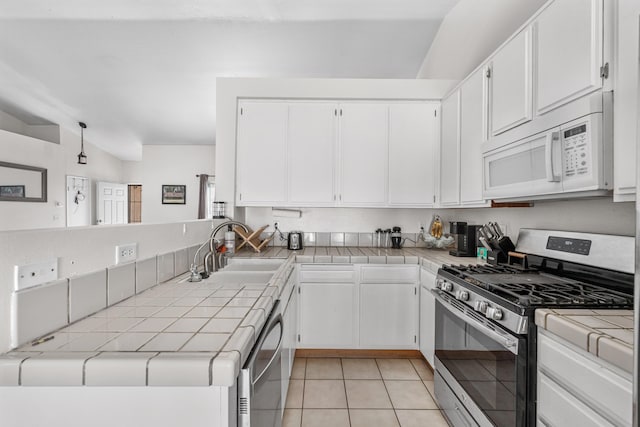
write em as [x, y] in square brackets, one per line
[363, 354]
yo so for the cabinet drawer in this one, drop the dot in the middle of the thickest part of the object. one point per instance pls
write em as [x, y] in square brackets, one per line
[326, 273]
[600, 388]
[389, 274]
[558, 408]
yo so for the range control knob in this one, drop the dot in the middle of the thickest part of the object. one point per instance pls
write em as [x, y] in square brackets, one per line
[446, 286]
[493, 313]
[481, 306]
[439, 283]
[462, 295]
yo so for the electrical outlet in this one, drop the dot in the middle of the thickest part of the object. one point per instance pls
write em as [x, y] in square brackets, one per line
[126, 253]
[26, 276]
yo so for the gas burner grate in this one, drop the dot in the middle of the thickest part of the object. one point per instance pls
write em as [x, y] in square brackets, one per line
[527, 288]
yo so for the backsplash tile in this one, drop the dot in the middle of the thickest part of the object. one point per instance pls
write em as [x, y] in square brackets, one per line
[121, 282]
[309, 239]
[365, 240]
[39, 310]
[87, 294]
[165, 267]
[182, 261]
[337, 239]
[351, 239]
[146, 274]
[323, 239]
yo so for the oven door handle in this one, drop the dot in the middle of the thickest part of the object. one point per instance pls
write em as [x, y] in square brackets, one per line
[504, 339]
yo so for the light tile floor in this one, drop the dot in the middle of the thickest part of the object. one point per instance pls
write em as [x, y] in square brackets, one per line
[335, 392]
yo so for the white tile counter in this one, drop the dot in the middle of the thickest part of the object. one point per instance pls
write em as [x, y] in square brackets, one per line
[606, 334]
[180, 333]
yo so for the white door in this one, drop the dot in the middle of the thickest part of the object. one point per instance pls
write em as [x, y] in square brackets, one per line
[312, 141]
[450, 151]
[328, 315]
[112, 203]
[78, 201]
[413, 135]
[388, 316]
[473, 132]
[510, 84]
[261, 175]
[569, 36]
[364, 153]
[427, 316]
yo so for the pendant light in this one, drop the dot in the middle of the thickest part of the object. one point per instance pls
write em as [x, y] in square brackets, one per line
[82, 158]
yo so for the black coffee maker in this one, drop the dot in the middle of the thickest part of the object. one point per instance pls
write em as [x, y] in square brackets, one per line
[466, 238]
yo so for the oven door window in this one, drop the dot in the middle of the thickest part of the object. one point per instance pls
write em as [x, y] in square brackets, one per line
[480, 364]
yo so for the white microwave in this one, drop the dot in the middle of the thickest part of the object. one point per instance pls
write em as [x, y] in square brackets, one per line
[570, 160]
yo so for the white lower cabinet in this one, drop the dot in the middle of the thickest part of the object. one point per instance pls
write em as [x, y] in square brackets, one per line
[427, 315]
[388, 316]
[576, 389]
[361, 306]
[328, 315]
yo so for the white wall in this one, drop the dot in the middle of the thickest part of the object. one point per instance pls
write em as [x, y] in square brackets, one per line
[85, 249]
[170, 165]
[470, 32]
[596, 215]
[59, 160]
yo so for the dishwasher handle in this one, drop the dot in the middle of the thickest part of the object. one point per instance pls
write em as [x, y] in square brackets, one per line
[275, 322]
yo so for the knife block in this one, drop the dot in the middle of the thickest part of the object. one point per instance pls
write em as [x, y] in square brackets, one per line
[496, 257]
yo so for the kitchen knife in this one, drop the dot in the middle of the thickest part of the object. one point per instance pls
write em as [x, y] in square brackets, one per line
[484, 243]
[495, 230]
[498, 229]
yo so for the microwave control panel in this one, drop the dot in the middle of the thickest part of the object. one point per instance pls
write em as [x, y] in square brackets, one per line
[576, 143]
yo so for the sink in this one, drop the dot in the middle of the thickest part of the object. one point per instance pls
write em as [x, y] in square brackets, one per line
[226, 276]
[249, 264]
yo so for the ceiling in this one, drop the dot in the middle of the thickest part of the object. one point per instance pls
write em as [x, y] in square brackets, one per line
[143, 72]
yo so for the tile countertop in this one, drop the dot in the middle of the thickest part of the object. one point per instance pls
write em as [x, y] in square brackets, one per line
[431, 259]
[180, 333]
[607, 334]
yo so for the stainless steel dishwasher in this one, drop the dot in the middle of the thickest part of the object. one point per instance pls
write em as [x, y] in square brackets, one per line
[260, 381]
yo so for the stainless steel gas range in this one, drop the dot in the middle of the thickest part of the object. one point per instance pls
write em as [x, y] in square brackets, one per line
[485, 351]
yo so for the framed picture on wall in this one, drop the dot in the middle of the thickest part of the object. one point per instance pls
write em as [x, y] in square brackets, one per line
[13, 191]
[174, 194]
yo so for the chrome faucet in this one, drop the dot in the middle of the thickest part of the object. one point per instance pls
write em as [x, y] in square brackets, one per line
[213, 246]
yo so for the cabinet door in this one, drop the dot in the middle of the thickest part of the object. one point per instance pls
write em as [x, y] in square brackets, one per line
[364, 153]
[312, 153]
[413, 132]
[569, 36]
[328, 315]
[625, 102]
[473, 131]
[450, 151]
[388, 316]
[427, 316]
[262, 154]
[510, 84]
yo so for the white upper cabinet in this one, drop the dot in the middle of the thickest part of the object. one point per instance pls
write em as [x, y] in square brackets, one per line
[312, 140]
[625, 101]
[473, 132]
[261, 175]
[413, 139]
[450, 151]
[568, 44]
[510, 84]
[364, 144]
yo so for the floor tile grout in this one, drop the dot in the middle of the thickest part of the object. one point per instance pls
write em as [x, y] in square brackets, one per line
[348, 408]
